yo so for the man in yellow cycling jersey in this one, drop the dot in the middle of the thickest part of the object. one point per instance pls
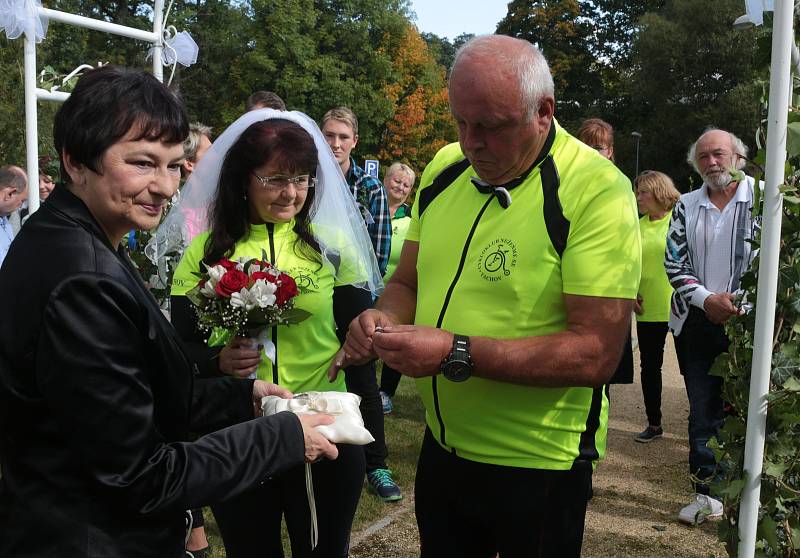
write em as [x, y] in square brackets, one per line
[510, 306]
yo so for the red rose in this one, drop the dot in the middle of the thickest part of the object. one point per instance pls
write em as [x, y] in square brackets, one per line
[256, 275]
[287, 289]
[232, 282]
[226, 263]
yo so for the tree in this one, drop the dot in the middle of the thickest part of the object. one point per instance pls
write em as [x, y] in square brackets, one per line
[316, 54]
[562, 34]
[443, 50]
[421, 123]
[690, 70]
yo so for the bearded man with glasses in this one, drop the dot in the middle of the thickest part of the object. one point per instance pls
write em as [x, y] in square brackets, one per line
[708, 250]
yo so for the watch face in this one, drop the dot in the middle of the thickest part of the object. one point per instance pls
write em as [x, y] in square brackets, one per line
[457, 371]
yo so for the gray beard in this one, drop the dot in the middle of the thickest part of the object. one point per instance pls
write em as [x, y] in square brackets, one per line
[720, 181]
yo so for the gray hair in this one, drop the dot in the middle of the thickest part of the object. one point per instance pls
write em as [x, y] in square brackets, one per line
[403, 168]
[738, 146]
[528, 63]
[192, 141]
[12, 176]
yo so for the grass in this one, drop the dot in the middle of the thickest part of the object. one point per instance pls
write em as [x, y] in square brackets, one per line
[404, 429]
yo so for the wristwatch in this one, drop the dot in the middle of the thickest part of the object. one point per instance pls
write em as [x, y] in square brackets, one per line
[457, 367]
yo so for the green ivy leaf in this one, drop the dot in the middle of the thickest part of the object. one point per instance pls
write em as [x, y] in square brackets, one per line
[768, 530]
[733, 489]
[793, 139]
[775, 470]
[792, 384]
[784, 367]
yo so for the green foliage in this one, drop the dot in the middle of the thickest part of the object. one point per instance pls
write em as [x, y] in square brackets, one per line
[690, 70]
[779, 520]
[316, 54]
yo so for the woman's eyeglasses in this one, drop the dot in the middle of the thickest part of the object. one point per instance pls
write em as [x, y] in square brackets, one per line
[281, 181]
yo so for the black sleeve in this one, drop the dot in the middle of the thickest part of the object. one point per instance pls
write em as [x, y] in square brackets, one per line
[348, 302]
[93, 371]
[184, 321]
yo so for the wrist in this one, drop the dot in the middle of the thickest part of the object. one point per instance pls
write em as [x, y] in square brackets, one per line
[457, 365]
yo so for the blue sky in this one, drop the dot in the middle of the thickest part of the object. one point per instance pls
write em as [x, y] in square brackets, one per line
[450, 18]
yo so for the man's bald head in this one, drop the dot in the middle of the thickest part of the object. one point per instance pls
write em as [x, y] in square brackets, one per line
[12, 176]
[513, 61]
[13, 184]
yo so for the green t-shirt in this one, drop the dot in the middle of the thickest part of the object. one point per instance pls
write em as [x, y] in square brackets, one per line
[400, 223]
[304, 350]
[654, 287]
[511, 285]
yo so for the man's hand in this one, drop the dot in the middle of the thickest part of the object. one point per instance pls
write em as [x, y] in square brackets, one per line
[637, 305]
[415, 351]
[719, 307]
[263, 389]
[239, 357]
[317, 446]
[357, 348]
[358, 345]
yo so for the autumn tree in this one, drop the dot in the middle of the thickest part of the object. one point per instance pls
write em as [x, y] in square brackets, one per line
[421, 122]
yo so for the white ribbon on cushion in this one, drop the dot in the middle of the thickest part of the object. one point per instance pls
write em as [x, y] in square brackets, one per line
[17, 15]
[347, 428]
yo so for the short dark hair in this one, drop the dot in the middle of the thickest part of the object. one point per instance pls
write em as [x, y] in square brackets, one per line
[276, 140]
[106, 104]
[264, 99]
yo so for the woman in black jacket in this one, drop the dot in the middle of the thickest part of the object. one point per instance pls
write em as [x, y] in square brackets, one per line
[97, 397]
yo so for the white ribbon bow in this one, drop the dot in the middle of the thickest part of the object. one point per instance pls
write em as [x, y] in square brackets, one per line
[756, 9]
[17, 16]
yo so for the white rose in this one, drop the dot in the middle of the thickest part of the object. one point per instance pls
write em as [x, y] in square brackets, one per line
[208, 290]
[263, 293]
[243, 299]
[215, 274]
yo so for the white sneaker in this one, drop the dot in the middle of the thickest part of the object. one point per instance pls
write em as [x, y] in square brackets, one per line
[704, 507]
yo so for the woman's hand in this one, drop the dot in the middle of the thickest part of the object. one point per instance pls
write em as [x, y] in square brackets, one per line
[239, 357]
[263, 389]
[317, 446]
[637, 305]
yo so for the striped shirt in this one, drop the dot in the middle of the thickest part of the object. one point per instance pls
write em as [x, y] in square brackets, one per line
[707, 249]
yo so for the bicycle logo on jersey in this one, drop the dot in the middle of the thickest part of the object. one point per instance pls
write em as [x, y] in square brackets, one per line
[497, 259]
[305, 280]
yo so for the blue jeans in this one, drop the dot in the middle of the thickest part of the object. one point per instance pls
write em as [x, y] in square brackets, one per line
[698, 345]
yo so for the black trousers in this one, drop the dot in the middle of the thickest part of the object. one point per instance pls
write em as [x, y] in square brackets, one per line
[250, 524]
[390, 379]
[624, 372]
[652, 336]
[362, 380]
[475, 510]
[697, 347]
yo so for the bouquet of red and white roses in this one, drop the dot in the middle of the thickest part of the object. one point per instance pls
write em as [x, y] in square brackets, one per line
[243, 299]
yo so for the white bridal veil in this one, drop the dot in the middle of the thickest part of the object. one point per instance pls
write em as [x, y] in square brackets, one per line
[336, 221]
